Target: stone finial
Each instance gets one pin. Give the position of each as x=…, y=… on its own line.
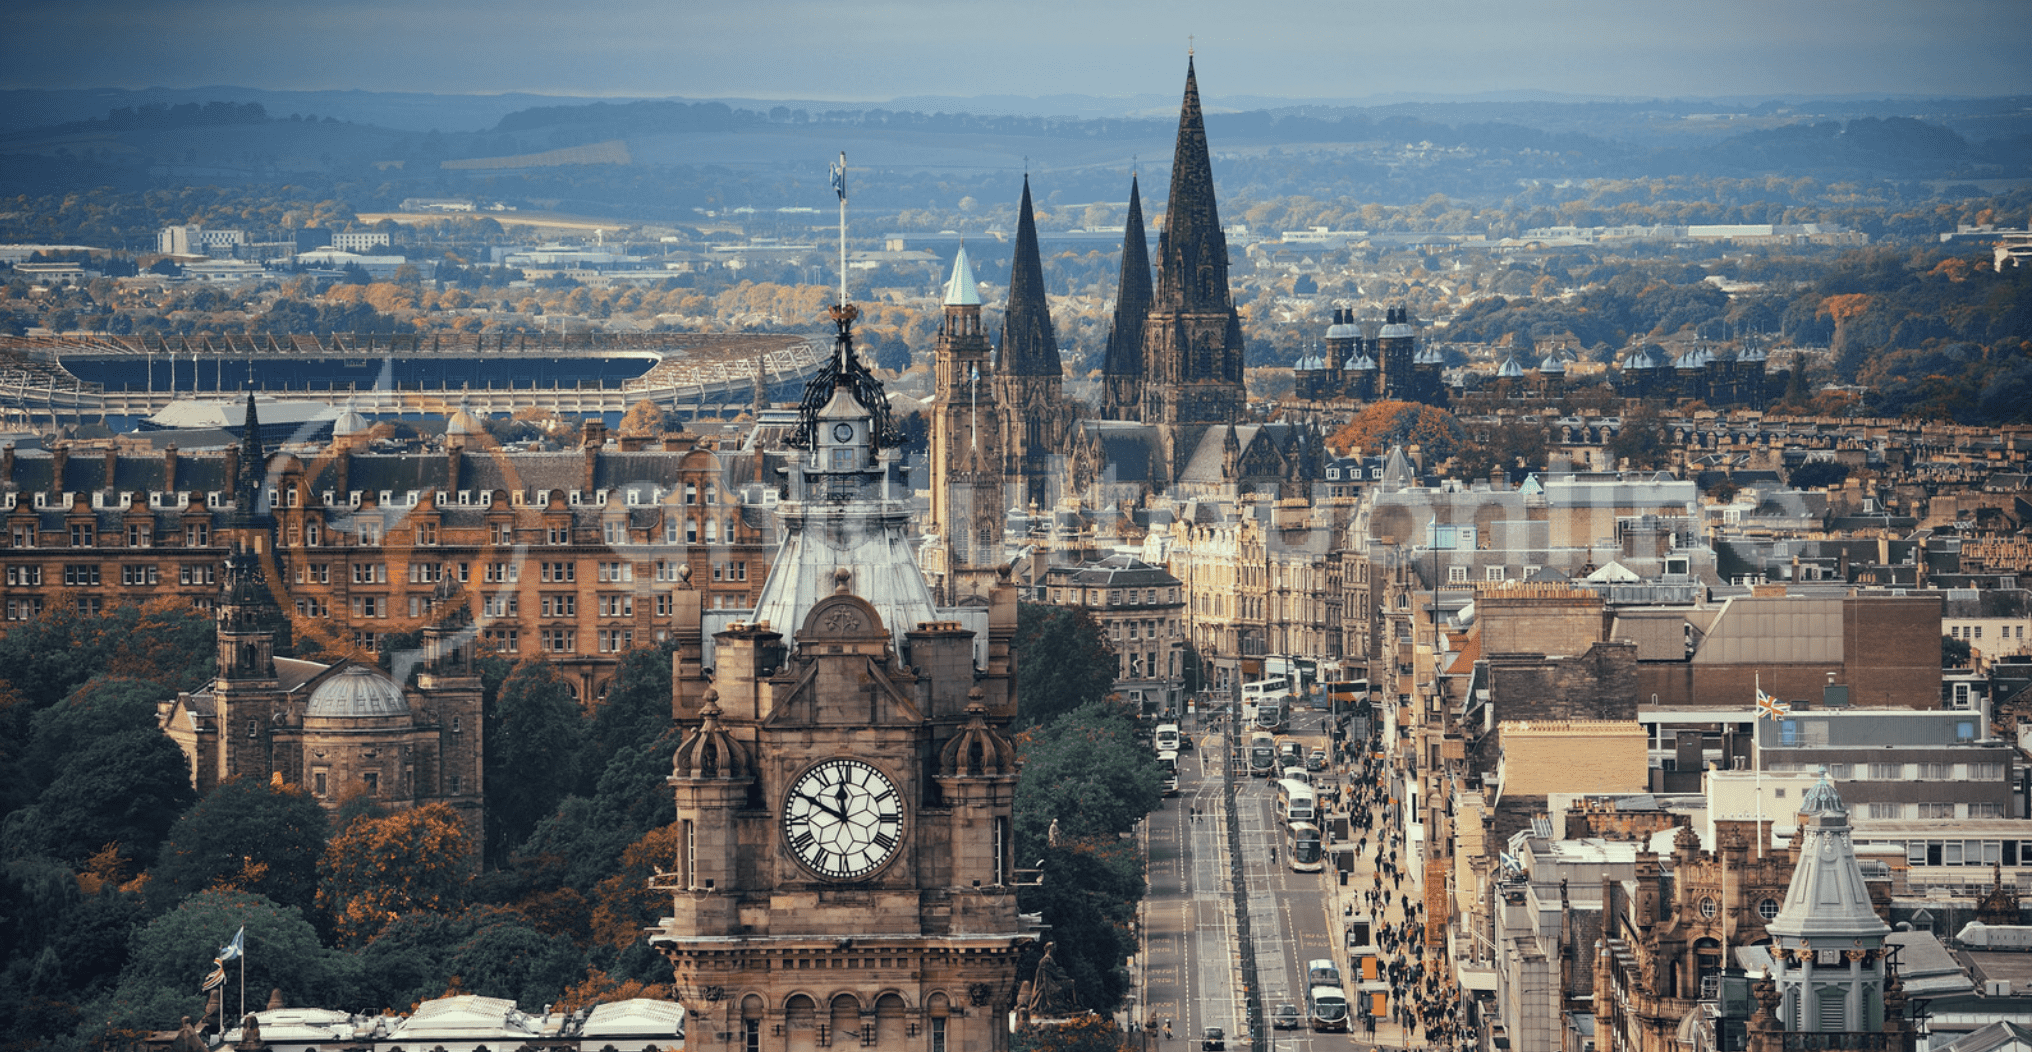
x=841, y=577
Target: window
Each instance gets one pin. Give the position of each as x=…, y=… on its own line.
x=426, y=533
x=1494, y=573
x=1886, y=811
x=559, y=572
x=1986, y=810
x=19, y=575
x=502, y=640
x=1841, y=771
x=617, y=571
x=313, y=608
x=83, y=535
x=89, y=605
x=23, y=609
x=691, y=531
x=505, y=605
x=500, y=533
x=370, y=533
x=133, y=575
x=139, y=536
x=1767, y=909
x=1934, y=772
x=501, y=573
x=76, y=575
x=370, y=606
x=202, y=573
x=367, y=641
x=1985, y=772
x=560, y=606
x=558, y=640
x=1887, y=772
x=310, y=534
x=615, y=640
x=691, y=493
x=319, y=783
x=314, y=573
x=740, y=571
x=1456, y=574
x=663, y=606
x=938, y=1035
x=197, y=535
x=370, y=573
x=372, y=780
x=1936, y=810
x=617, y=606
x=559, y=534
x=423, y=573
x=614, y=532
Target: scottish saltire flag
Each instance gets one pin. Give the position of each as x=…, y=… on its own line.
x=840, y=178
x=235, y=948
x=217, y=978
x=973, y=374
x=1769, y=707
x=1510, y=861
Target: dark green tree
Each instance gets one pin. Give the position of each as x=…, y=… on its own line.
x=1954, y=653
x=103, y=706
x=1062, y=661
x=533, y=734
x=1643, y=440
x=171, y=956
x=125, y=789
x=1085, y=771
x=1819, y=474
x=248, y=835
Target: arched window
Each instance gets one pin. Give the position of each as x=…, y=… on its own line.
x=846, y=1021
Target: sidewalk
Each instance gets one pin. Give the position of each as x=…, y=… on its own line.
x=1350, y=900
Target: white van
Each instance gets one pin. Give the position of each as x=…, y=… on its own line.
x=1166, y=737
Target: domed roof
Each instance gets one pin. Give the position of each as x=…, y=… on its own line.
x=357, y=691
x=350, y=422
x=1693, y=359
x=1509, y=369
x=1427, y=356
x=1310, y=363
x=1640, y=359
x=1362, y=364
x=1551, y=364
x=463, y=422
x=1342, y=331
x=1396, y=331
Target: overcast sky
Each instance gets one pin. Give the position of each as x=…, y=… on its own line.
x=874, y=50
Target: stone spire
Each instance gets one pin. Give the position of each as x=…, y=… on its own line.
x=1029, y=348
x=1192, y=340
x=961, y=290
x=1827, y=898
x=1122, y=370
x=1192, y=253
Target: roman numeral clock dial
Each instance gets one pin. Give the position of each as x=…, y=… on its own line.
x=842, y=819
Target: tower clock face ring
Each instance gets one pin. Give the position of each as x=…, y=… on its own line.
x=843, y=432
x=843, y=819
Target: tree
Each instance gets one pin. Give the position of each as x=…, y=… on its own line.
x=483, y=950
x=376, y=869
x=533, y=731
x=103, y=706
x=1819, y=474
x=643, y=418
x=1088, y=898
x=125, y=789
x=625, y=904
x=1086, y=772
x=249, y=835
x=1381, y=425
x=1062, y=660
x=1642, y=440
x=175, y=951
x=1088, y=1033
x=1954, y=653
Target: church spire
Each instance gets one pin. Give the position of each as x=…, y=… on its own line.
x=1029, y=348
x=1192, y=253
x=1122, y=370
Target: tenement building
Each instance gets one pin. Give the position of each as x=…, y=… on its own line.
x=568, y=554
x=845, y=783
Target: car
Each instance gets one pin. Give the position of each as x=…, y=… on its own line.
x=1213, y=1039
x=1185, y=743
x=1286, y=1017
x=1316, y=760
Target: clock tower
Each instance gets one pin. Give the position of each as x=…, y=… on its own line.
x=844, y=788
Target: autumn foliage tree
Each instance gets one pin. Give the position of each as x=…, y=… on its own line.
x=377, y=869
x=1381, y=425
x=248, y=834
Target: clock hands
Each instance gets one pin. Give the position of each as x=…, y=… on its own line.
x=816, y=802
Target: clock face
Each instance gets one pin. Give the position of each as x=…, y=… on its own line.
x=843, y=432
x=843, y=819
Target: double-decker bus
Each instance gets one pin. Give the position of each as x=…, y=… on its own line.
x=1273, y=712
x=1167, y=762
x=1295, y=802
x=1262, y=754
x=1302, y=848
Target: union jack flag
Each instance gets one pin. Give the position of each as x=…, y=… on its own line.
x=1769, y=707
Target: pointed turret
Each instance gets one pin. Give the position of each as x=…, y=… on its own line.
x=1828, y=960
x=1122, y=370
x=1029, y=348
x=961, y=290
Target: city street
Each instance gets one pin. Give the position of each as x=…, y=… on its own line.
x=1192, y=971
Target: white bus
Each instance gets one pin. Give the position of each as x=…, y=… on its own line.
x=1167, y=762
x=1295, y=802
x=1301, y=847
x=1262, y=754
x=1166, y=737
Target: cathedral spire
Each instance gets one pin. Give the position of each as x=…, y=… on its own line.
x=1029, y=348
x=1192, y=263
x=1122, y=370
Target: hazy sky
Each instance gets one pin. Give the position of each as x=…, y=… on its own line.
x=879, y=49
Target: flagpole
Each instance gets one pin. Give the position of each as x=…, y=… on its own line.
x=243, y=991
x=842, y=186
x=1757, y=754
